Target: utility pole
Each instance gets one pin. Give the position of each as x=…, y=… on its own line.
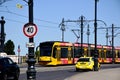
x=113, y=35
x=63, y=29
x=81, y=26
x=113, y=43
x=107, y=36
x=81, y=20
x=88, y=34
x=2, y=34
x=82, y=35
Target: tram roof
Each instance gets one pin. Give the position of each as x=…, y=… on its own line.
x=65, y=43
x=52, y=42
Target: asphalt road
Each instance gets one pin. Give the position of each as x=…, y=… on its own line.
x=51, y=75
x=58, y=73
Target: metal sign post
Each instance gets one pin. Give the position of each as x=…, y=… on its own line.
x=18, y=54
x=30, y=29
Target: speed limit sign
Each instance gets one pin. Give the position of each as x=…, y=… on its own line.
x=30, y=30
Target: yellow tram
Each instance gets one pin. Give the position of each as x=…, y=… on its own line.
x=62, y=53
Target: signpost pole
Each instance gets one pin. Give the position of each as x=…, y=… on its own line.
x=31, y=72
x=18, y=54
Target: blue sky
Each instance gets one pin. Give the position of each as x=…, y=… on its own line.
x=48, y=15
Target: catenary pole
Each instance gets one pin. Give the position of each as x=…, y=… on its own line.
x=113, y=43
x=82, y=36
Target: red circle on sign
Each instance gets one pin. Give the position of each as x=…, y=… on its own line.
x=30, y=30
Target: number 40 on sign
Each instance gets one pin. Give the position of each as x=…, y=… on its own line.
x=30, y=30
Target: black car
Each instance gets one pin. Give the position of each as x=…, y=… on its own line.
x=8, y=69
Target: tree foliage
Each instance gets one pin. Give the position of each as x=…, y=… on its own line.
x=9, y=47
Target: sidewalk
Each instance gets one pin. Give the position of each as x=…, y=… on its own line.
x=103, y=74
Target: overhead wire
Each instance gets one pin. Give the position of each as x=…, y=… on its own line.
x=34, y=18
x=10, y=12
x=26, y=17
x=24, y=23
x=37, y=19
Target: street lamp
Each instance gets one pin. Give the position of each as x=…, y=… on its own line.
x=2, y=35
x=95, y=27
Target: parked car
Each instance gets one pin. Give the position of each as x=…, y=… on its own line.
x=85, y=63
x=8, y=69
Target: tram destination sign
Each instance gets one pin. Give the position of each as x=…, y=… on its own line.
x=30, y=30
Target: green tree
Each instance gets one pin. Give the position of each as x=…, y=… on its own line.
x=9, y=47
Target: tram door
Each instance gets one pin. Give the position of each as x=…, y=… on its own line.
x=117, y=56
x=100, y=55
x=85, y=52
x=64, y=55
x=70, y=55
x=104, y=55
x=58, y=54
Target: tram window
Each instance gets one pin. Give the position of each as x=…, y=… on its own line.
x=83, y=52
x=109, y=54
x=118, y=54
x=45, y=51
x=92, y=52
x=77, y=52
x=102, y=54
x=64, y=52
